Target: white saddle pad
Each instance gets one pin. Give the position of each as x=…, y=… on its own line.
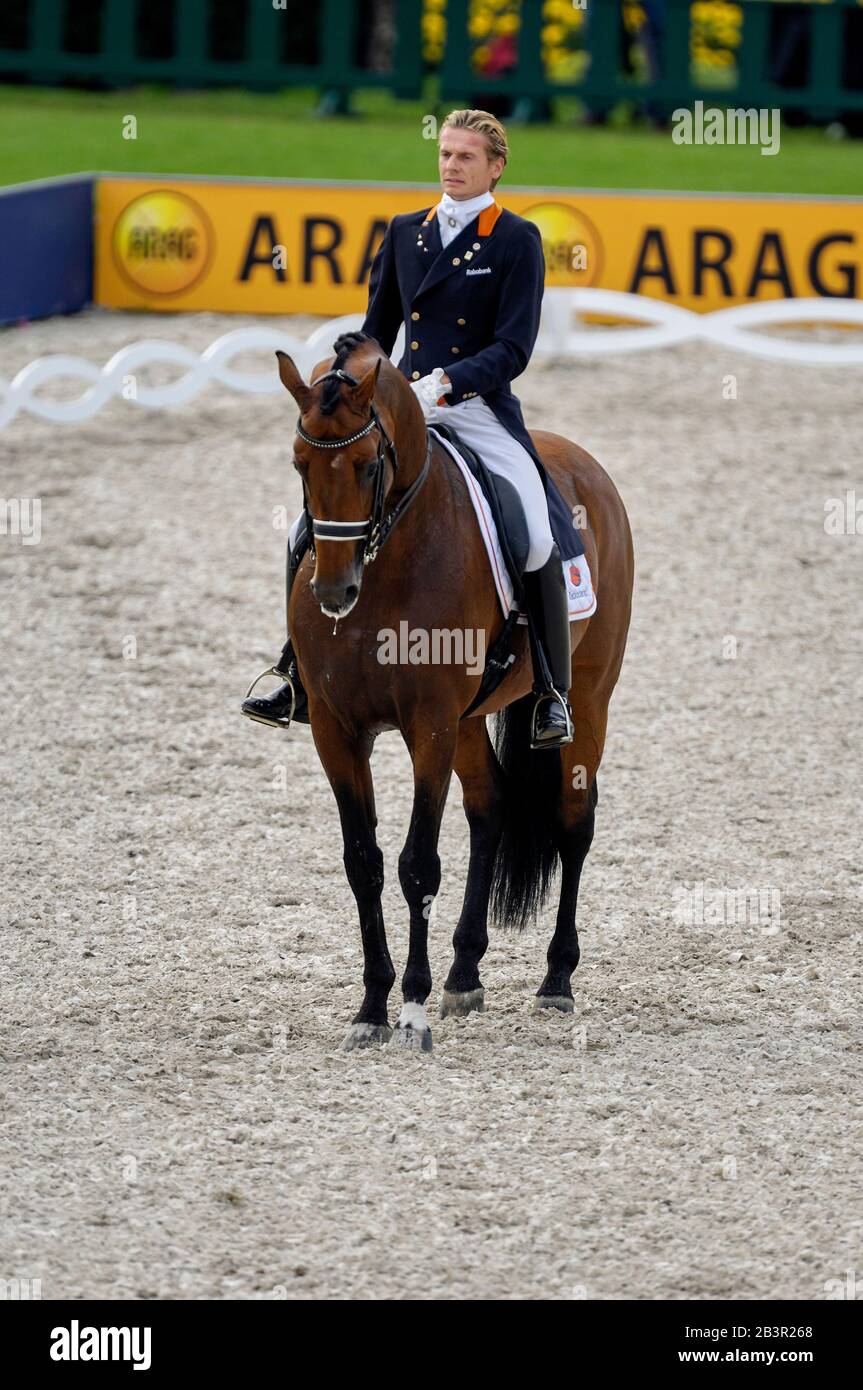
x=576, y=572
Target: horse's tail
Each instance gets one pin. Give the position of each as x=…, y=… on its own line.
x=527, y=853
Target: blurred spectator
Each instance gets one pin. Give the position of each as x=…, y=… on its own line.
x=376, y=35
x=650, y=37
x=789, y=54
x=852, y=68
x=501, y=60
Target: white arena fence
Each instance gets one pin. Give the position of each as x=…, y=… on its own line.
x=561, y=335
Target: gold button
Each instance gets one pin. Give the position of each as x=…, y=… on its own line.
x=415, y=375
x=415, y=316
x=462, y=322
x=454, y=349
x=414, y=346
x=456, y=260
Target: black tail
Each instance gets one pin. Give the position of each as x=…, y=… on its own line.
x=527, y=854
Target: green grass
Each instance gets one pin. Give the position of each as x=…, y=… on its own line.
x=48, y=131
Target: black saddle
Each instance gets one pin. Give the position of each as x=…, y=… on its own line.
x=509, y=518
x=505, y=504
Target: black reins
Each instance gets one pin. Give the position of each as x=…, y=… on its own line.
x=376, y=530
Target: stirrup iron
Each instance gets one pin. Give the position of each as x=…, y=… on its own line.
x=551, y=694
x=286, y=680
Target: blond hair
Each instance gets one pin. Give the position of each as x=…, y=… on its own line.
x=486, y=125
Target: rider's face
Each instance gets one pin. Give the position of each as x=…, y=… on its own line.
x=465, y=168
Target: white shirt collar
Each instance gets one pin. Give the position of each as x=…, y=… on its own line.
x=450, y=210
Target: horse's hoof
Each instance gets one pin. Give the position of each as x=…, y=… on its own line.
x=470, y=1001
x=367, y=1035
x=562, y=1002
x=417, y=1039
x=412, y=1030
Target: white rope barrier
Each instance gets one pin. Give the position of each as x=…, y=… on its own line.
x=728, y=328
x=562, y=334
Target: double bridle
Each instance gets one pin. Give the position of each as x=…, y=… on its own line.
x=376, y=530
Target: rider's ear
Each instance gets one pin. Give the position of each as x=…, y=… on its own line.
x=362, y=393
x=293, y=382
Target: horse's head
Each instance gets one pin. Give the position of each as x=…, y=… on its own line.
x=343, y=453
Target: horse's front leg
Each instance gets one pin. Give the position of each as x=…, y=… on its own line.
x=346, y=763
x=479, y=772
x=432, y=748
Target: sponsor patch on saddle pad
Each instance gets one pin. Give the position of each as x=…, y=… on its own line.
x=576, y=572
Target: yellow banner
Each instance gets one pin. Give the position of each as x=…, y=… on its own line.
x=285, y=248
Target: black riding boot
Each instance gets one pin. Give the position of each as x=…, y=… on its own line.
x=548, y=624
x=289, y=701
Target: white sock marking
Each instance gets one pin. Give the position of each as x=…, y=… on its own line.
x=413, y=1016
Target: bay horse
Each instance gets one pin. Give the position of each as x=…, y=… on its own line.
x=528, y=811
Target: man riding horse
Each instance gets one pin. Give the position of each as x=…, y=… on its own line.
x=467, y=336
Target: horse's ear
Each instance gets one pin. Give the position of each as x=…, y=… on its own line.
x=362, y=393
x=293, y=382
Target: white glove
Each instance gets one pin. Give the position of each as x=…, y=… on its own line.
x=429, y=389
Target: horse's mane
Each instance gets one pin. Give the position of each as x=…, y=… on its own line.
x=392, y=390
x=357, y=361
x=332, y=388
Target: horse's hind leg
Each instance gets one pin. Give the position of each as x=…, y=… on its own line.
x=574, y=836
x=573, y=843
x=346, y=763
x=481, y=779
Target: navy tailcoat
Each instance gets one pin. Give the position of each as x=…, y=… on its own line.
x=472, y=307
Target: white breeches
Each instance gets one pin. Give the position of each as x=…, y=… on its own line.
x=478, y=425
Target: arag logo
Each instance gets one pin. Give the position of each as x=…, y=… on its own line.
x=162, y=242
x=570, y=242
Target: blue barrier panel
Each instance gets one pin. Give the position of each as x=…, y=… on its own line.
x=46, y=248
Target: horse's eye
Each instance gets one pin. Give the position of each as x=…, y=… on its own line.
x=371, y=470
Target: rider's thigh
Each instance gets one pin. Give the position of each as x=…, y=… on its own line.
x=479, y=427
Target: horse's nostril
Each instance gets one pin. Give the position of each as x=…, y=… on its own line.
x=351, y=593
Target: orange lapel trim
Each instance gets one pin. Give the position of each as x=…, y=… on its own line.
x=488, y=219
